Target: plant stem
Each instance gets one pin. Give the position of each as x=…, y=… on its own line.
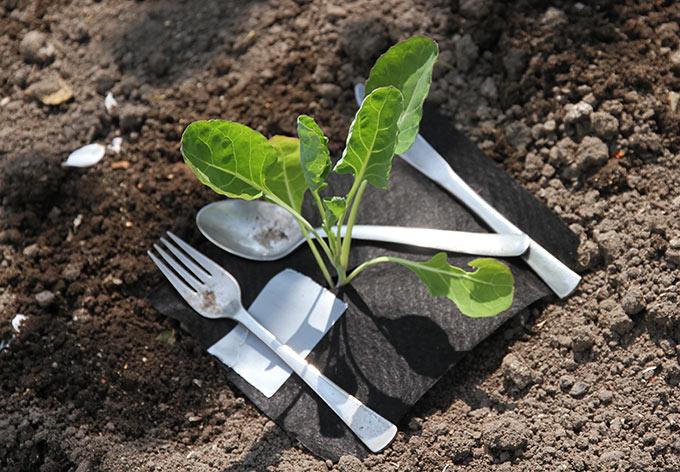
x=347, y=240
x=317, y=256
x=349, y=199
x=377, y=260
x=322, y=212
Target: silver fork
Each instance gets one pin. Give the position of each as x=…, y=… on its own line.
x=214, y=293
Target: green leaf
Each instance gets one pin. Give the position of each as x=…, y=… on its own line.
x=373, y=137
x=167, y=337
x=314, y=155
x=407, y=66
x=285, y=179
x=335, y=207
x=484, y=292
x=230, y=158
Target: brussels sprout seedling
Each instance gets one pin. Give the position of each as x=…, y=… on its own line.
x=236, y=161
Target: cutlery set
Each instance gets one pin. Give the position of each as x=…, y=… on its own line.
x=238, y=227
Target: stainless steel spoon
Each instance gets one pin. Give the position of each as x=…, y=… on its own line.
x=262, y=231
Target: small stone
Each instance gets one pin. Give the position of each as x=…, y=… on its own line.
x=518, y=135
x=675, y=60
x=366, y=39
x=466, y=53
x=605, y=396
x=579, y=389
x=547, y=171
x=45, y=298
x=36, y=48
x=592, y=152
x=589, y=254
x=51, y=90
x=673, y=255
x=78, y=33
x=604, y=125
x=619, y=321
x=562, y=152
x=672, y=372
x=533, y=165
x=349, y=463
x=633, y=300
x=334, y=12
x=515, y=370
x=567, y=381
x=582, y=339
x=104, y=82
x=667, y=347
x=611, y=459
x=329, y=91
x=81, y=314
x=72, y=271
x=611, y=244
x=504, y=434
x=549, y=126
x=673, y=100
x=131, y=116
x=514, y=62
x=31, y=251
x=589, y=98
x=553, y=17
x=577, y=112
x=649, y=438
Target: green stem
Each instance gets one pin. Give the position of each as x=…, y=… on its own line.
x=317, y=256
x=349, y=199
x=361, y=267
x=324, y=225
x=347, y=240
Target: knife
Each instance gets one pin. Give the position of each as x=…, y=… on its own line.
x=556, y=275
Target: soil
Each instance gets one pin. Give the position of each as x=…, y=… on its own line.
x=578, y=102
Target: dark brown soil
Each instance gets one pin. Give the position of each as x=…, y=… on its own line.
x=578, y=101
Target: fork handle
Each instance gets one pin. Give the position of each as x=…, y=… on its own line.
x=374, y=431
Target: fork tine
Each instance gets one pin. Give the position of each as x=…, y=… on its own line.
x=208, y=264
x=198, y=272
x=184, y=290
x=188, y=277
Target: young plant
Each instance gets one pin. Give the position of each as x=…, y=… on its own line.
x=238, y=162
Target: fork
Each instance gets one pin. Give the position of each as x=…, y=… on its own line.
x=214, y=293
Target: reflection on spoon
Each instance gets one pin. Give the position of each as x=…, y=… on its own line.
x=262, y=231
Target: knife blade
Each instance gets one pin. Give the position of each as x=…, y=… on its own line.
x=422, y=156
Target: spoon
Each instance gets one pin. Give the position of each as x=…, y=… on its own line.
x=262, y=231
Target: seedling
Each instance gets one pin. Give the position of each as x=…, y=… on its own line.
x=236, y=161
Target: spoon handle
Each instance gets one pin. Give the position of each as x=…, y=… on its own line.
x=374, y=431
x=481, y=244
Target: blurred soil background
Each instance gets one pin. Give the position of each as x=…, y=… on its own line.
x=578, y=101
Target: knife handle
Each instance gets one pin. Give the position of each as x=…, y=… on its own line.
x=560, y=278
